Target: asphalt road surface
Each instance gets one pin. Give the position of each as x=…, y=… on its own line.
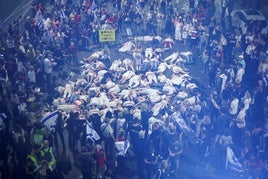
x=12, y=9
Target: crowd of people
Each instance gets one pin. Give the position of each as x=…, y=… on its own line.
x=142, y=93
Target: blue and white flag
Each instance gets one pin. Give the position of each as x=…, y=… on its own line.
x=122, y=147
x=39, y=20
x=50, y=120
x=180, y=121
x=62, y=14
x=91, y=133
x=93, y=5
x=232, y=162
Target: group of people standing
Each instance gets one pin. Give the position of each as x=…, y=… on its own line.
x=161, y=110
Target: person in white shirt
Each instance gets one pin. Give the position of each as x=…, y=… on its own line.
x=239, y=74
x=126, y=76
x=247, y=100
x=234, y=105
x=149, y=52
x=31, y=75
x=68, y=90
x=48, y=68
x=134, y=81
x=151, y=77
x=241, y=118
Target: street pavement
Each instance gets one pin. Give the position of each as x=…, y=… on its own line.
x=10, y=10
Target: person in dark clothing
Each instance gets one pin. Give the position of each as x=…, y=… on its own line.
x=162, y=172
x=150, y=161
x=169, y=26
x=5, y=119
x=20, y=149
x=96, y=123
x=59, y=130
x=151, y=26
x=4, y=156
x=259, y=100
x=221, y=123
x=175, y=149
x=155, y=137
x=112, y=166
x=163, y=5
x=214, y=104
x=127, y=126
x=213, y=66
x=134, y=129
x=71, y=129
x=170, y=135
x=31, y=164
x=140, y=148
x=59, y=57
x=145, y=115
x=88, y=163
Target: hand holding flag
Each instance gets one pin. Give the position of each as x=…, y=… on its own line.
x=50, y=120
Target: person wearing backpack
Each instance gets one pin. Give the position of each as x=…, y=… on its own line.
x=108, y=133
x=47, y=153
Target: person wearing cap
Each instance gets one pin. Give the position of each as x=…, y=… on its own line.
x=242, y=61
x=108, y=133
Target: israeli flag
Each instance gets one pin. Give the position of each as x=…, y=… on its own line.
x=91, y=133
x=50, y=120
x=122, y=147
x=39, y=19
x=232, y=162
x=93, y=5
x=184, y=127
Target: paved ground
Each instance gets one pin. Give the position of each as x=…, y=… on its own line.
x=11, y=9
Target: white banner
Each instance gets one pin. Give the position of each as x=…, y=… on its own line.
x=122, y=147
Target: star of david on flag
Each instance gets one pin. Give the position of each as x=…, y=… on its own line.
x=91, y=133
x=50, y=120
